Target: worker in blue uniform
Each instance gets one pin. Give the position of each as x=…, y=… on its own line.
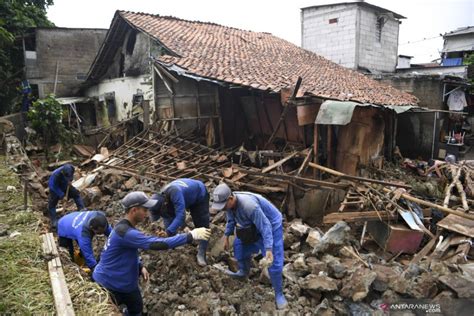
x=172, y=202
x=82, y=227
x=60, y=185
x=120, y=266
x=258, y=228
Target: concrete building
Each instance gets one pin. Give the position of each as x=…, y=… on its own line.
x=356, y=35
x=58, y=59
x=458, y=44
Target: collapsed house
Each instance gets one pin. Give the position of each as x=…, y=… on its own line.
x=235, y=87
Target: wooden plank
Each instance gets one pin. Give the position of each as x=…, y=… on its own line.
x=352, y=217
x=426, y=249
x=344, y=176
x=62, y=299
x=458, y=224
x=279, y=163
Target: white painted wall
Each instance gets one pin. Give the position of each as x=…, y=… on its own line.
x=336, y=41
x=403, y=62
x=124, y=89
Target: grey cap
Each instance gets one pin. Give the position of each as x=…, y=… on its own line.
x=220, y=196
x=137, y=198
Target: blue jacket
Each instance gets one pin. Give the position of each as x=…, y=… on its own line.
x=254, y=209
x=60, y=178
x=76, y=226
x=182, y=194
x=119, y=265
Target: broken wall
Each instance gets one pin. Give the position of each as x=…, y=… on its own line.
x=116, y=97
x=415, y=134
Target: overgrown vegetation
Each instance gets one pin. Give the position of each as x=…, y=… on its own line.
x=24, y=281
x=45, y=117
x=25, y=287
x=16, y=19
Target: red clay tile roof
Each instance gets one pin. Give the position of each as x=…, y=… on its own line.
x=259, y=60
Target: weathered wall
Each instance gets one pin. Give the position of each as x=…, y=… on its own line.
x=131, y=58
x=352, y=40
x=194, y=100
x=335, y=41
x=374, y=54
x=415, y=134
x=429, y=90
x=121, y=90
x=70, y=50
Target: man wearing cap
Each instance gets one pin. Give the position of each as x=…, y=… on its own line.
x=59, y=186
x=172, y=202
x=82, y=227
x=120, y=266
x=258, y=227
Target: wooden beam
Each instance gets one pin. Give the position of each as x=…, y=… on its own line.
x=279, y=163
x=344, y=176
x=62, y=299
x=352, y=217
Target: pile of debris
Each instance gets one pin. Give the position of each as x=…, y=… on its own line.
x=398, y=245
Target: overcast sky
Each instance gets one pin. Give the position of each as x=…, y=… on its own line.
x=425, y=19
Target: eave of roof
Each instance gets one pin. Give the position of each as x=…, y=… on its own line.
x=364, y=4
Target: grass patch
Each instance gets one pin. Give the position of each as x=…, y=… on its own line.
x=25, y=287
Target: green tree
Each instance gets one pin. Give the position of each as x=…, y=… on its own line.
x=16, y=18
x=45, y=117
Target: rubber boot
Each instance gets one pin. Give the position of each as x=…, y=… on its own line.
x=277, y=283
x=201, y=255
x=244, y=269
x=53, y=218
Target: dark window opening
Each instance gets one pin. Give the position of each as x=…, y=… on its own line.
x=379, y=26
x=30, y=42
x=121, y=65
x=332, y=21
x=132, y=38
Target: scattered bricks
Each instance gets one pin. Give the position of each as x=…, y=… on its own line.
x=316, y=266
x=324, y=309
x=357, y=285
x=299, y=264
x=384, y=275
x=298, y=228
x=92, y=196
x=461, y=284
x=130, y=183
x=334, y=239
x=423, y=287
x=319, y=283
x=313, y=238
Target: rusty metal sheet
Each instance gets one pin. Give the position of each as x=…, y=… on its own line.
x=458, y=224
x=306, y=114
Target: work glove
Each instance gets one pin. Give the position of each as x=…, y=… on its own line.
x=267, y=260
x=201, y=233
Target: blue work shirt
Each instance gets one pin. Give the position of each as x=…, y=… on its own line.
x=76, y=226
x=119, y=265
x=182, y=194
x=254, y=209
x=60, y=178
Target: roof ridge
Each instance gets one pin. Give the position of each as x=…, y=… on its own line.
x=170, y=17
